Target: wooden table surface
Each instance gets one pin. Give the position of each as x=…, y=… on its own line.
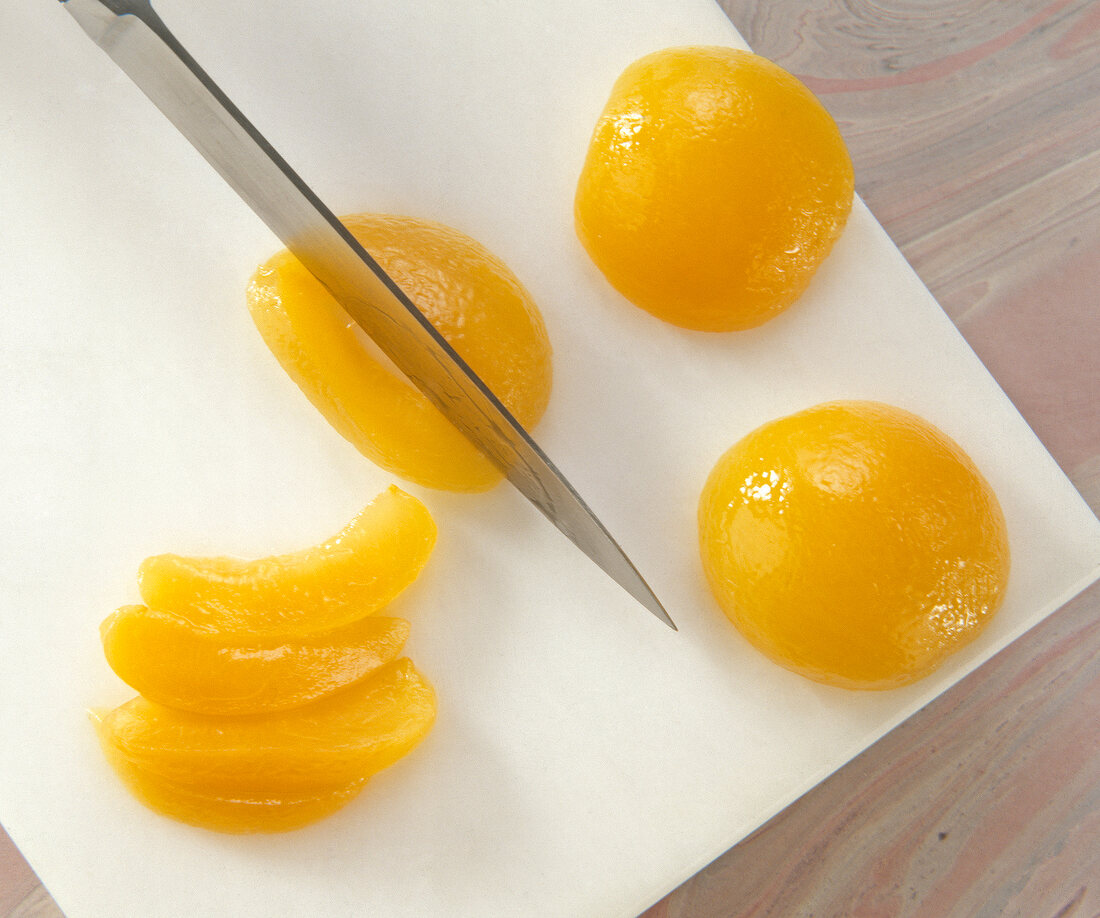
x=975, y=130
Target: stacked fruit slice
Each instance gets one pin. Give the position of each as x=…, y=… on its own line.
x=269, y=690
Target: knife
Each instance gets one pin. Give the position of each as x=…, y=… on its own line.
x=135, y=37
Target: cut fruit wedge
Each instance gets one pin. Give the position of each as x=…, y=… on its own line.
x=353, y=574
x=321, y=747
x=232, y=813
x=172, y=662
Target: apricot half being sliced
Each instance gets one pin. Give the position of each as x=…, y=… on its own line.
x=356, y=572
x=471, y=297
x=171, y=662
x=324, y=746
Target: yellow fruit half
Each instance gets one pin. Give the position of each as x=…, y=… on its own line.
x=853, y=543
x=471, y=297
x=714, y=186
x=317, y=749
x=353, y=574
x=171, y=662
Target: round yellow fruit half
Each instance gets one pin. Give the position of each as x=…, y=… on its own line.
x=853, y=543
x=714, y=186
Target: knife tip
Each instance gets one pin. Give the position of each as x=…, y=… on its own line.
x=653, y=604
x=667, y=619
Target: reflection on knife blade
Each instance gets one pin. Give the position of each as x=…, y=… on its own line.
x=138, y=41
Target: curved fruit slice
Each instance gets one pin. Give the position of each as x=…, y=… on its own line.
x=175, y=664
x=231, y=813
x=471, y=297
x=347, y=736
x=356, y=572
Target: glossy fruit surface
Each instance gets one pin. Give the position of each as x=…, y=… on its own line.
x=320, y=748
x=714, y=186
x=171, y=662
x=853, y=543
x=470, y=296
x=269, y=691
x=233, y=813
x=356, y=572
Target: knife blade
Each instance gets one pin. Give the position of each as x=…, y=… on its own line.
x=136, y=39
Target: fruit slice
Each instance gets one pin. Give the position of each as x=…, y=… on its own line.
x=324, y=746
x=356, y=572
x=854, y=543
x=471, y=297
x=713, y=187
x=231, y=813
x=175, y=664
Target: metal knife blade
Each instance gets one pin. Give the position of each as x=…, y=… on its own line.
x=135, y=37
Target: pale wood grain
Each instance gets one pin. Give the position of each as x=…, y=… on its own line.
x=16, y=878
x=975, y=129
x=21, y=894
x=37, y=904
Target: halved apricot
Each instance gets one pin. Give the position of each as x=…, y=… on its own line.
x=854, y=543
x=174, y=663
x=356, y=572
x=324, y=746
x=714, y=186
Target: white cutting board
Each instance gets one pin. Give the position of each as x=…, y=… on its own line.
x=586, y=759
